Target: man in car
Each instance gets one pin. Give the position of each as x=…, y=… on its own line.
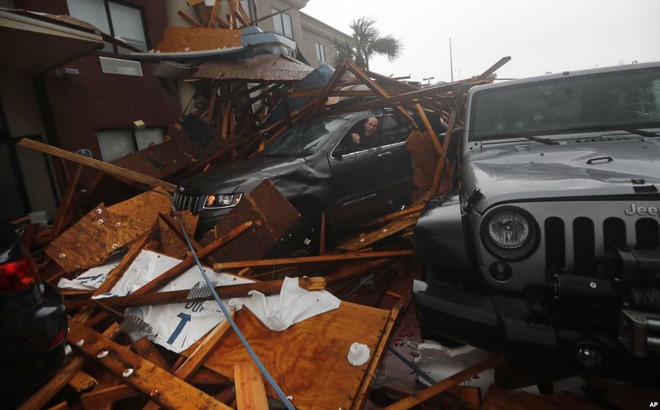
x=368, y=137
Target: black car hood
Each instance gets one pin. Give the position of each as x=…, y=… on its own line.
x=243, y=176
x=573, y=168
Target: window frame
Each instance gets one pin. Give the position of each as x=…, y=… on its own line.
x=104, y=5
x=320, y=52
x=134, y=139
x=280, y=17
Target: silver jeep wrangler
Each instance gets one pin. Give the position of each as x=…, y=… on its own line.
x=550, y=249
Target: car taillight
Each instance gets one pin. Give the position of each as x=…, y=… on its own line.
x=57, y=339
x=16, y=276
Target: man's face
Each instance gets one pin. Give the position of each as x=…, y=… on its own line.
x=370, y=127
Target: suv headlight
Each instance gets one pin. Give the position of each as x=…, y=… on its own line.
x=222, y=200
x=510, y=233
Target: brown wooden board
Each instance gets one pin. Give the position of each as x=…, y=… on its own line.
x=92, y=239
x=171, y=243
x=143, y=209
x=184, y=39
x=266, y=204
x=309, y=360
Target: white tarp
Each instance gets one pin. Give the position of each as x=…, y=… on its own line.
x=292, y=305
x=177, y=326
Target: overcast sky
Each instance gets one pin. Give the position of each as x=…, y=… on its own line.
x=540, y=37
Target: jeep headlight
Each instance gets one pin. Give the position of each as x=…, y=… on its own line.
x=510, y=233
x=218, y=201
x=508, y=229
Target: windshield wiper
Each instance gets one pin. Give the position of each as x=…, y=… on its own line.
x=629, y=130
x=636, y=131
x=532, y=138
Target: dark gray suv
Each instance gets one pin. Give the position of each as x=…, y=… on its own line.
x=316, y=167
x=550, y=249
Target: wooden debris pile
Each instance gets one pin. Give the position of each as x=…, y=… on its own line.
x=112, y=366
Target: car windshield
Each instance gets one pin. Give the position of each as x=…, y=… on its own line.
x=627, y=99
x=304, y=139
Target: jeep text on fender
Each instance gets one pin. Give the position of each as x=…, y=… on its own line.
x=550, y=250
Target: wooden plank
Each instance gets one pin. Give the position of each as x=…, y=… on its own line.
x=214, y=13
x=378, y=90
x=250, y=390
x=187, y=263
x=118, y=271
x=448, y=383
x=365, y=386
x=65, y=206
x=82, y=382
x=188, y=19
x=96, y=164
x=54, y=385
x=101, y=397
x=364, y=240
x=176, y=296
x=162, y=387
x=218, y=267
x=443, y=156
x=64, y=374
x=202, y=351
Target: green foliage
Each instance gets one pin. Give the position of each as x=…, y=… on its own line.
x=366, y=42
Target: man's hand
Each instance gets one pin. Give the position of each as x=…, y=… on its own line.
x=356, y=138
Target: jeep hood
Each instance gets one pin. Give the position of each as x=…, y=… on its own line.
x=574, y=168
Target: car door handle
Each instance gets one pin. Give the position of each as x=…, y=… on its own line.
x=384, y=154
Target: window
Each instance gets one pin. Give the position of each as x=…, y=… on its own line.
x=282, y=23
x=320, y=52
x=117, y=143
x=116, y=19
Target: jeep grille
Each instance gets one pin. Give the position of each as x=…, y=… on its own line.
x=186, y=202
x=589, y=239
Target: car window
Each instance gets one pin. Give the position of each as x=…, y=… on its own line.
x=304, y=139
x=394, y=129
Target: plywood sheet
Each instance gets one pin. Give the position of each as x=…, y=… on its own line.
x=309, y=360
x=274, y=215
x=143, y=209
x=183, y=39
x=92, y=239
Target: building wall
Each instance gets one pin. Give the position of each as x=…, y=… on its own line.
x=315, y=31
x=82, y=104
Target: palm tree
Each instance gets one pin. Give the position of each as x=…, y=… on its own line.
x=367, y=41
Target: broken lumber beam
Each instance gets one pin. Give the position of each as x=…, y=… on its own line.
x=96, y=164
x=225, y=292
x=196, y=359
x=64, y=374
x=448, y=383
x=189, y=262
x=364, y=240
x=365, y=386
x=250, y=389
x=310, y=259
x=160, y=386
x=101, y=397
x=82, y=382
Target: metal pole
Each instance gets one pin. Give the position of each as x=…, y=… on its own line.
x=451, y=62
